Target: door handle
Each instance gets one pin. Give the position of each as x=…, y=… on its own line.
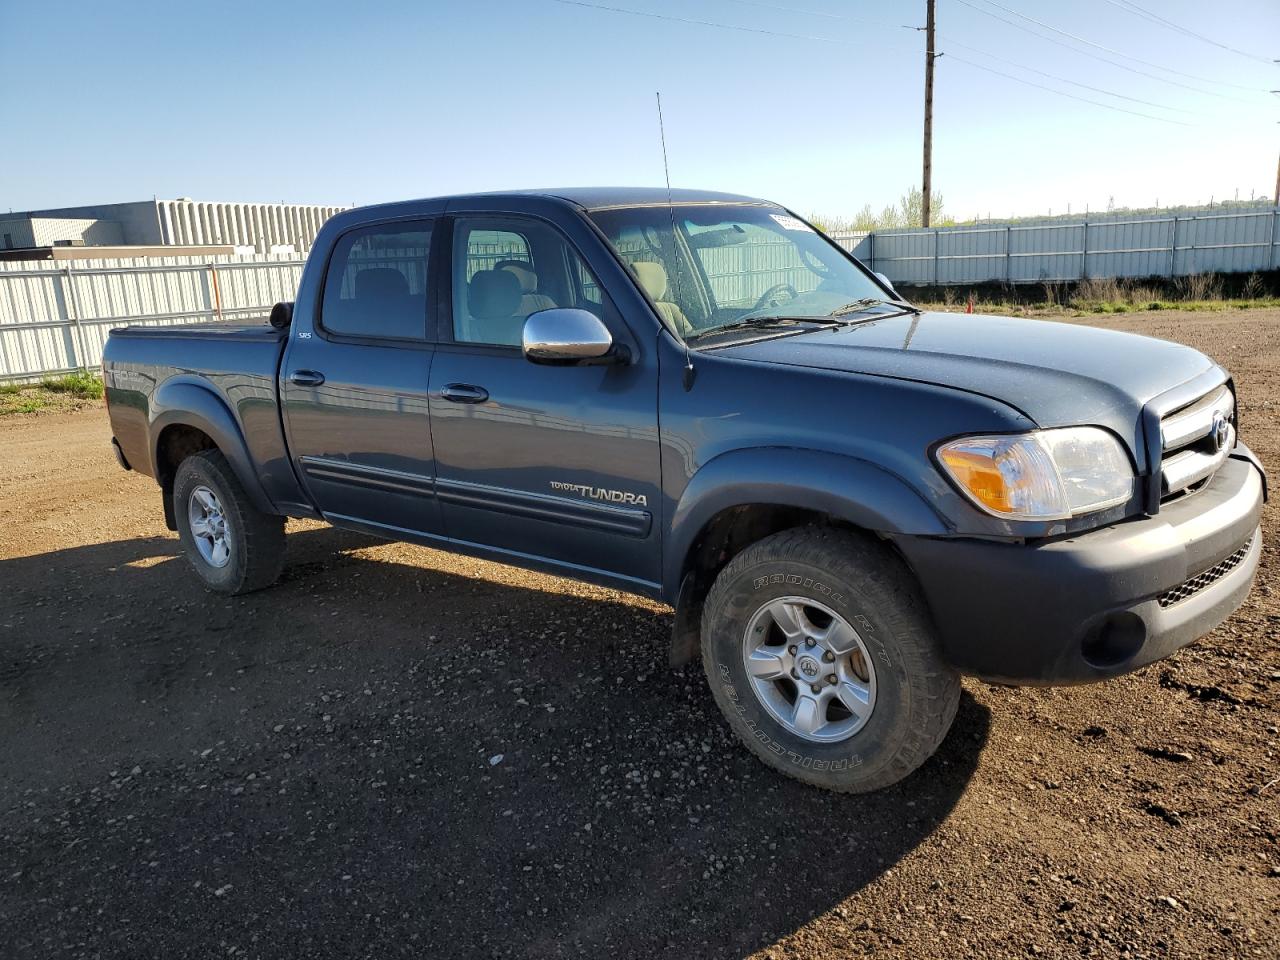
x=464, y=393
x=306, y=378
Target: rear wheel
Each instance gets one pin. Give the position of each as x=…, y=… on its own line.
x=231, y=544
x=820, y=653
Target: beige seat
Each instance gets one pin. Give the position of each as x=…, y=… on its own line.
x=531, y=301
x=653, y=281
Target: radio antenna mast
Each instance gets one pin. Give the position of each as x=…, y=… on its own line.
x=689, y=372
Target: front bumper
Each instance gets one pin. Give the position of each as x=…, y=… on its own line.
x=1102, y=603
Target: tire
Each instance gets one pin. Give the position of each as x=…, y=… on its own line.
x=251, y=551
x=825, y=584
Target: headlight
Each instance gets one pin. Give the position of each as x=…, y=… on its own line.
x=1044, y=475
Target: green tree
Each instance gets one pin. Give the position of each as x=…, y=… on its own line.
x=913, y=209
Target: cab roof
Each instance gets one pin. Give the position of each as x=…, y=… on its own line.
x=595, y=198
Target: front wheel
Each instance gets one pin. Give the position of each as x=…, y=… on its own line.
x=233, y=546
x=820, y=653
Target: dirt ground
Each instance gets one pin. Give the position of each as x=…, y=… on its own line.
x=397, y=752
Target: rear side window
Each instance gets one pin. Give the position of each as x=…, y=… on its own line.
x=377, y=283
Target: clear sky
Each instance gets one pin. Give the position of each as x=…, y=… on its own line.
x=320, y=102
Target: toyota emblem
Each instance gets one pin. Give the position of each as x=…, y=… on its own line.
x=1221, y=432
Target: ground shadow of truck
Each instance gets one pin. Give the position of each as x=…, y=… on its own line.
x=380, y=756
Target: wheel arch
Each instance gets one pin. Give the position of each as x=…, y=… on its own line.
x=741, y=497
x=189, y=415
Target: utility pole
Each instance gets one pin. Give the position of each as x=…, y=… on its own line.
x=1277, y=200
x=927, y=188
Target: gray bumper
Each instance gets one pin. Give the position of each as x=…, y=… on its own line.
x=1099, y=604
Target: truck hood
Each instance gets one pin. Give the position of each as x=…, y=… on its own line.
x=1057, y=374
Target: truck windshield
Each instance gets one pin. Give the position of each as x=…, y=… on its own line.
x=728, y=263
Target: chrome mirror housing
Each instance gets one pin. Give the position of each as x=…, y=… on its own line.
x=564, y=335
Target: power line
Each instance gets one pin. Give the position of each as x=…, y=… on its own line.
x=807, y=13
x=702, y=23
x=1146, y=14
x=992, y=56
x=1099, y=46
x=1063, y=93
x=838, y=42
x=951, y=42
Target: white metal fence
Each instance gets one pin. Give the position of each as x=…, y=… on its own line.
x=1165, y=245
x=55, y=315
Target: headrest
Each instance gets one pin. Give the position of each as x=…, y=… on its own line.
x=652, y=277
x=523, y=272
x=493, y=294
x=381, y=283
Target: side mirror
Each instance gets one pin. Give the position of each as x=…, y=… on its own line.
x=887, y=282
x=282, y=315
x=567, y=336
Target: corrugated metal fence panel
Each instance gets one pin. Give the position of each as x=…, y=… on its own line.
x=1163, y=245
x=859, y=244
x=1227, y=245
x=963, y=255
x=55, y=316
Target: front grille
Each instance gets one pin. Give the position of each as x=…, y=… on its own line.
x=1211, y=576
x=1195, y=440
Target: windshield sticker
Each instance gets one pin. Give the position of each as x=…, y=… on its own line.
x=791, y=223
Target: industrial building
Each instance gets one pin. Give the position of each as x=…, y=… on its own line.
x=247, y=227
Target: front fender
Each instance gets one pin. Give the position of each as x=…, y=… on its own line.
x=193, y=403
x=854, y=490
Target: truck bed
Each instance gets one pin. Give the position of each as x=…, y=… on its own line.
x=224, y=330
x=225, y=372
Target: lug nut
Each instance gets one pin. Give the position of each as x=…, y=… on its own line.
x=809, y=642
x=828, y=657
x=792, y=649
x=815, y=688
x=832, y=679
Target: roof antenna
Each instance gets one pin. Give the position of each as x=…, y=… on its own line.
x=689, y=373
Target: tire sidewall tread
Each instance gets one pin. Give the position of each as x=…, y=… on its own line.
x=916, y=693
x=257, y=538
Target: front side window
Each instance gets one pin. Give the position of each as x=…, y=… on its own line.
x=505, y=269
x=728, y=262
x=377, y=283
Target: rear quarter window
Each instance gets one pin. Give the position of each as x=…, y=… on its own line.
x=376, y=285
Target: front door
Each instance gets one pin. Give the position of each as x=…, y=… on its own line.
x=559, y=463
x=355, y=378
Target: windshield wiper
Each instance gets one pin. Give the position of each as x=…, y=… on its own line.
x=749, y=323
x=857, y=306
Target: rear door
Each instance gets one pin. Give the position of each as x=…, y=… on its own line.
x=553, y=462
x=355, y=379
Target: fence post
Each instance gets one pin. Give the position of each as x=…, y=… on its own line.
x=71, y=306
x=1084, y=253
x=1008, y=255
x=1173, y=248
x=872, y=237
x=207, y=283
x=217, y=293
x=936, y=239
x=1271, y=247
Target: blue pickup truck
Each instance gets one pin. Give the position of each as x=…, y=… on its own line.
x=697, y=397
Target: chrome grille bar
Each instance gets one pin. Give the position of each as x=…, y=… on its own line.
x=1191, y=423
x=1196, y=440
x=1189, y=467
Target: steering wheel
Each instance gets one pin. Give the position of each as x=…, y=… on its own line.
x=768, y=298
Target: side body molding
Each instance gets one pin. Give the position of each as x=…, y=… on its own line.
x=191, y=403
x=854, y=490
